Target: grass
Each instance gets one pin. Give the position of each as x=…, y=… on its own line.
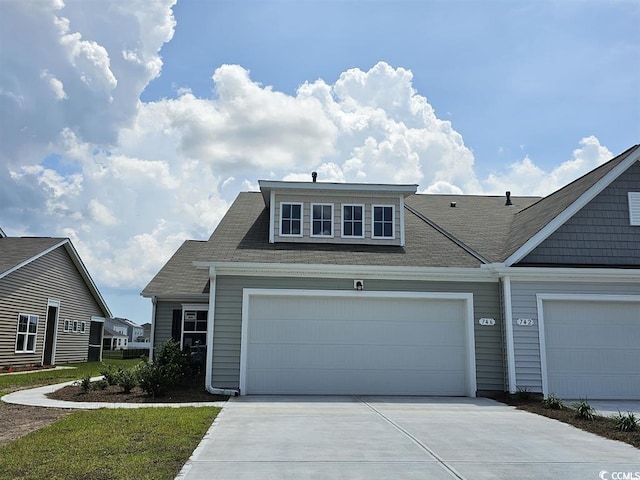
x=11, y=383
x=147, y=443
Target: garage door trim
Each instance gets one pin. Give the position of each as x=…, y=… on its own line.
x=470, y=364
x=541, y=297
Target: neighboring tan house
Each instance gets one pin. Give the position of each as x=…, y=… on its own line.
x=51, y=311
x=326, y=288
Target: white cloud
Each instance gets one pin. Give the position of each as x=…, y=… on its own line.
x=56, y=85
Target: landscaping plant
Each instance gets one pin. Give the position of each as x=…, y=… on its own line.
x=584, y=410
x=552, y=402
x=626, y=422
x=127, y=378
x=84, y=383
x=110, y=374
x=165, y=371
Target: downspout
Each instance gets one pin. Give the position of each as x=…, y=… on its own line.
x=154, y=301
x=508, y=324
x=208, y=384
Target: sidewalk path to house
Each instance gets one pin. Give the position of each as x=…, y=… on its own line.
x=400, y=438
x=37, y=397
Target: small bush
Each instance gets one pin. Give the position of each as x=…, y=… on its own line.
x=584, y=410
x=127, y=379
x=626, y=422
x=166, y=371
x=110, y=374
x=84, y=383
x=523, y=394
x=552, y=402
x=99, y=385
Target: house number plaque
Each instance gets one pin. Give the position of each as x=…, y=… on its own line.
x=487, y=322
x=525, y=322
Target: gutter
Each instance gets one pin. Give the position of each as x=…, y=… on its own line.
x=222, y=391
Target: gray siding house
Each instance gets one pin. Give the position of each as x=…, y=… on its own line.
x=323, y=288
x=50, y=310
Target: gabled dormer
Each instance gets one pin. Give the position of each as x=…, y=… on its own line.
x=344, y=213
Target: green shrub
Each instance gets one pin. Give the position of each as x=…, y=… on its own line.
x=127, y=378
x=84, y=383
x=167, y=370
x=584, y=410
x=552, y=402
x=627, y=422
x=99, y=385
x=110, y=374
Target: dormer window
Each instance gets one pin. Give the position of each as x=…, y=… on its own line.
x=353, y=221
x=383, y=221
x=291, y=219
x=321, y=220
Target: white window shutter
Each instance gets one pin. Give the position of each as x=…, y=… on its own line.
x=634, y=208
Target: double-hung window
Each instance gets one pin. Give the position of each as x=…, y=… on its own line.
x=195, y=328
x=353, y=221
x=26, y=336
x=383, y=221
x=321, y=220
x=291, y=219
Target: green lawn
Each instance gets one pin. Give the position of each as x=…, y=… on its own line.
x=146, y=443
x=11, y=383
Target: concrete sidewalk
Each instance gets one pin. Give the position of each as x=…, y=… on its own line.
x=399, y=438
x=36, y=397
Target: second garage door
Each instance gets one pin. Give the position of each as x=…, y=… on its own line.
x=369, y=343
x=592, y=348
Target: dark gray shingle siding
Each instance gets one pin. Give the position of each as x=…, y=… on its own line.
x=598, y=234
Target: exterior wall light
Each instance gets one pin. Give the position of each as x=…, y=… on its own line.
x=358, y=285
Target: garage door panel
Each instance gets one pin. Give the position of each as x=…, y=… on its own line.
x=592, y=348
x=356, y=345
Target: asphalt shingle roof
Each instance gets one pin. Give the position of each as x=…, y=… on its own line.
x=16, y=250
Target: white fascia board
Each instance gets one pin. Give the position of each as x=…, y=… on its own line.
x=349, y=271
x=178, y=297
x=406, y=189
x=571, y=210
x=272, y=216
x=566, y=274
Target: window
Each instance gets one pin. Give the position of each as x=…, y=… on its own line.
x=634, y=208
x=75, y=325
x=291, y=219
x=383, y=224
x=353, y=221
x=195, y=328
x=321, y=220
x=67, y=325
x=26, y=336
x=83, y=327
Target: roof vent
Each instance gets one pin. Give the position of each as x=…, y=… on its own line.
x=508, y=202
x=314, y=176
x=452, y=204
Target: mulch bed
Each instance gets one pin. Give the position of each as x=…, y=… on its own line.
x=602, y=426
x=114, y=394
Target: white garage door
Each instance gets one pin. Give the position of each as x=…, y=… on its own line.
x=592, y=348
x=356, y=343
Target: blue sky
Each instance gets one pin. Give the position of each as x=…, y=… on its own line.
x=132, y=127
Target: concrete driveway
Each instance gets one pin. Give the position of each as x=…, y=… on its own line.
x=398, y=438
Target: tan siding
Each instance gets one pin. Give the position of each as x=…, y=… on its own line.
x=228, y=319
x=55, y=277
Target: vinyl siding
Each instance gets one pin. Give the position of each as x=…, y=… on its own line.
x=526, y=339
x=53, y=276
x=357, y=198
x=164, y=318
x=228, y=319
x=600, y=233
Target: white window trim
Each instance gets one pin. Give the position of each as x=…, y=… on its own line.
x=393, y=222
x=199, y=307
x=634, y=208
x=342, y=219
x=311, y=219
x=27, y=334
x=67, y=325
x=280, y=234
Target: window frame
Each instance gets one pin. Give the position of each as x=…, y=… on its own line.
x=360, y=205
x=312, y=219
x=66, y=325
x=373, y=222
x=282, y=205
x=194, y=308
x=83, y=327
x=27, y=333
x=75, y=326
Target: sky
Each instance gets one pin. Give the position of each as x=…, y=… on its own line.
x=130, y=127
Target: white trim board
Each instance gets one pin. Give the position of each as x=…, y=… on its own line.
x=248, y=293
x=541, y=297
x=571, y=210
